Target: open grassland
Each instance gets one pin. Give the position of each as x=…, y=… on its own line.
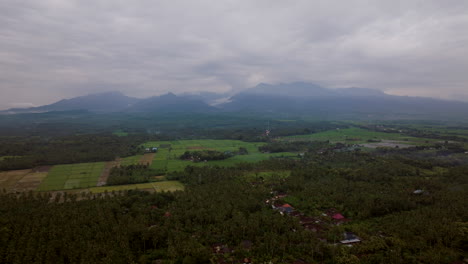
x=164, y=186
x=167, y=157
x=356, y=135
x=72, y=176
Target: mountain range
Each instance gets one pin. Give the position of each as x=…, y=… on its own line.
x=299, y=98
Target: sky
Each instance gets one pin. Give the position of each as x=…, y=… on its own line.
x=54, y=49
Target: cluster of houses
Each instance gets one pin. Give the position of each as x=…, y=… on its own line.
x=316, y=224
x=151, y=150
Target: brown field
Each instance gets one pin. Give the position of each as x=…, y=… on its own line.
x=105, y=173
x=147, y=159
x=23, y=180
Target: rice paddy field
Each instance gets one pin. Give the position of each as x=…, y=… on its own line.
x=167, y=157
x=72, y=176
x=356, y=135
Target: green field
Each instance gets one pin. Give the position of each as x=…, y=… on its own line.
x=72, y=176
x=167, y=157
x=132, y=160
x=120, y=133
x=164, y=186
x=356, y=135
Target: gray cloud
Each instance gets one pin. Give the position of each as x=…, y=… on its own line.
x=51, y=49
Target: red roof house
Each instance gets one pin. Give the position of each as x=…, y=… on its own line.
x=338, y=216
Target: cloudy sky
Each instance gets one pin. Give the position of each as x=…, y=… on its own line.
x=53, y=49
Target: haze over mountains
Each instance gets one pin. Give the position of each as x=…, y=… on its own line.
x=297, y=98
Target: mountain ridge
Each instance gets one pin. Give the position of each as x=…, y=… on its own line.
x=299, y=98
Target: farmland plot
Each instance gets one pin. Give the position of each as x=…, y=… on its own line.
x=72, y=176
x=167, y=157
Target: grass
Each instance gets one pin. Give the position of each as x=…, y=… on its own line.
x=164, y=186
x=72, y=176
x=167, y=159
x=356, y=135
x=6, y=157
x=120, y=133
x=132, y=160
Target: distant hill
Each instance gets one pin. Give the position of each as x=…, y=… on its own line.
x=299, y=99
x=314, y=100
x=117, y=102
x=170, y=103
x=100, y=102
x=310, y=90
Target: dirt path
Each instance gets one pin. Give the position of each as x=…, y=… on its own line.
x=147, y=159
x=105, y=173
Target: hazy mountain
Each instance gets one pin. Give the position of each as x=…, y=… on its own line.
x=117, y=102
x=314, y=100
x=210, y=98
x=101, y=102
x=302, y=89
x=303, y=99
x=170, y=103
x=296, y=89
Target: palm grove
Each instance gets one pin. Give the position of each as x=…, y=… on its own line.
x=222, y=216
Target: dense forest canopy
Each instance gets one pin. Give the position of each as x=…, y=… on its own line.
x=400, y=205
x=221, y=207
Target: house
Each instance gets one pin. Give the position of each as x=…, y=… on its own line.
x=336, y=216
x=350, y=238
x=285, y=208
x=151, y=149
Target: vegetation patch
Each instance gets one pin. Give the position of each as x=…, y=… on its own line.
x=131, y=174
x=352, y=135
x=233, y=152
x=163, y=186
x=205, y=155
x=120, y=133
x=71, y=176
x=131, y=160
